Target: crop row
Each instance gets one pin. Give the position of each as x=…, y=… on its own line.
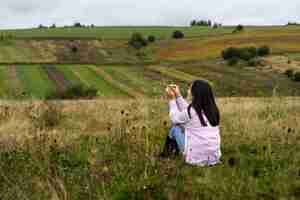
x=40, y=81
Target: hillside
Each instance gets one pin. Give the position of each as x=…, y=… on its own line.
x=39, y=62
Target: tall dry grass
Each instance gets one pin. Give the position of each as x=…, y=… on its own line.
x=107, y=149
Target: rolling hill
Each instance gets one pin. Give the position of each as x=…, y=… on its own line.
x=38, y=62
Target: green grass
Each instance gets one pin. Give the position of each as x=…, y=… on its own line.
x=141, y=79
x=69, y=74
x=294, y=56
x=95, y=152
x=89, y=77
x=4, y=83
x=35, y=81
x=241, y=80
x=114, y=32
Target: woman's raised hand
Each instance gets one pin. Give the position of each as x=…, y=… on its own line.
x=170, y=93
x=175, y=89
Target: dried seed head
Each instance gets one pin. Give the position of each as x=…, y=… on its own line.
x=231, y=161
x=122, y=112
x=255, y=173
x=264, y=148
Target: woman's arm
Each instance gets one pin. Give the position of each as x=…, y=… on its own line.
x=178, y=116
x=181, y=103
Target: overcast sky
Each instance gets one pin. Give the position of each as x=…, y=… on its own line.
x=30, y=13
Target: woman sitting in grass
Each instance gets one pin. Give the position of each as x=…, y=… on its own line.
x=195, y=131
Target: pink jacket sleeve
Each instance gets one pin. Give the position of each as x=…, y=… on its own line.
x=178, y=116
x=181, y=103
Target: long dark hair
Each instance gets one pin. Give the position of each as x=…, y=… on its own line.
x=204, y=101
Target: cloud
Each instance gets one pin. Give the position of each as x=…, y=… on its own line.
x=30, y=13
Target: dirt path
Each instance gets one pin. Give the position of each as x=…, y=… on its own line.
x=58, y=77
x=130, y=91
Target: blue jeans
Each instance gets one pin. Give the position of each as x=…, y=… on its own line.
x=177, y=134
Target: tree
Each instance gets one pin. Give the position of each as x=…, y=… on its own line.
x=53, y=26
x=193, y=23
x=151, y=38
x=209, y=23
x=137, y=41
x=239, y=28
x=77, y=25
x=42, y=26
x=178, y=35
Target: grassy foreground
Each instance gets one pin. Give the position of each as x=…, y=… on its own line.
x=107, y=150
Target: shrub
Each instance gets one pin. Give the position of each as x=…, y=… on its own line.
x=289, y=73
x=76, y=92
x=74, y=49
x=297, y=76
x=253, y=62
x=137, y=41
x=239, y=27
x=246, y=54
x=263, y=51
x=233, y=61
x=178, y=35
x=151, y=38
x=230, y=53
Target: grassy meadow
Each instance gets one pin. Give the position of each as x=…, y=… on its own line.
x=107, y=147
x=108, y=150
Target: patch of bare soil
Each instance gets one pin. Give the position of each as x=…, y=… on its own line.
x=57, y=77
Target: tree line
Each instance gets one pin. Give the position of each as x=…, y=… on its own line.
x=205, y=23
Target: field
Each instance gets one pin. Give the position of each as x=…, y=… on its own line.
x=65, y=150
x=113, y=32
x=106, y=146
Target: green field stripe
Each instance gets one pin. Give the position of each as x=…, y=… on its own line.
x=130, y=91
x=168, y=71
x=147, y=82
x=69, y=74
x=116, y=32
x=35, y=81
x=90, y=78
x=4, y=82
x=14, y=82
